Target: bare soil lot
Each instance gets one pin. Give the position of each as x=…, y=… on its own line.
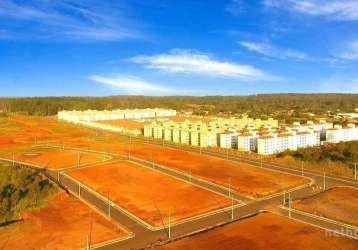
x=148, y=194
x=263, y=231
x=245, y=179
x=340, y=203
x=57, y=159
x=63, y=224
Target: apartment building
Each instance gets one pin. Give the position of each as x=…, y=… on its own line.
x=266, y=145
x=247, y=141
x=340, y=134
x=118, y=114
x=228, y=139
x=184, y=136
x=168, y=133
x=286, y=141
x=158, y=132
x=208, y=138
x=305, y=139
x=195, y=137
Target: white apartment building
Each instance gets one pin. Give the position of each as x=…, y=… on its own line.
x=184, y=136
x=168, y=133
x=266, y=145
x=247, y=142
x=228, y=139
x=334, y=135
x=208, y=138
x=118, y=114
x=339, y=134
x=158, y=132
x=194, y=137
x=305, y=139
x=286, y=141
x=350, y=133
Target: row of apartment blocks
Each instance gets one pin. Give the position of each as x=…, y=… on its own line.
x=293, y=137
x=205, y=133
x=118, y=114
x=338, y=134
x=265, y=140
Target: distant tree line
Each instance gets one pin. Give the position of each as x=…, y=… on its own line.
x=255, y=105
x=21, y=189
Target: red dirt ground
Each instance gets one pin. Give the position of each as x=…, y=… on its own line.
x=245, y=179
x=64, y=224
x=339, y=203
x=57, y=159
x=26, y=130
x=146, y=193
x=263, y=231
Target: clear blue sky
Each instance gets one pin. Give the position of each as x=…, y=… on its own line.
x=177, y=47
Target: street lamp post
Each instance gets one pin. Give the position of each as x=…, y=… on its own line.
x=302, y=168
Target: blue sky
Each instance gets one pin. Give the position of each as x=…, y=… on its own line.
x=177, y=47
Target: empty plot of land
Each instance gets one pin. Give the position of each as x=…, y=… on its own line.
x=64, y=224
x=264, y=231
x=57, y=159
x=244, y=178
x=340, y=203
x=148, y=194
x=18, y=130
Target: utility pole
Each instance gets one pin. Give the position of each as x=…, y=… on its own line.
x=232, y=207
x=109, y=206
x=355, y=171
x=78, y=159
x=87, y=243
x=284, y=198
x=229, y=180
x=289, y=205
x=169, y=226
x=302, y=168
x=130, y=143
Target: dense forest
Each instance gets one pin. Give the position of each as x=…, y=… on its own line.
x=344, y=152
x=21, y=189
x=264, y=104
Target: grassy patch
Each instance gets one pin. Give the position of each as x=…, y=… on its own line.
x=21, y=189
